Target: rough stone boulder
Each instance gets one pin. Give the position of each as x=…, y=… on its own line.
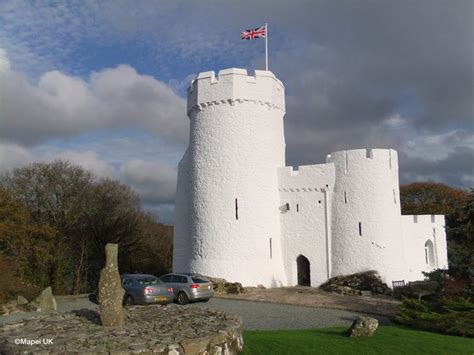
x=355, y=283
x=363, y=327
x=44, y=302
x=20, y=300
x=223, y=286
x=110, y=290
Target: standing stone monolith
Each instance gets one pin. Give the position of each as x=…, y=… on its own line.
x=110, y=290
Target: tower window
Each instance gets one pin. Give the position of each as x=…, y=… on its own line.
x=297, y=207
x=429, y=254
x=287, y=206
x=360, y=229
x=394, y=196
x=271, y=252
x=345, y=197
x=236, y=209
x=319, y=201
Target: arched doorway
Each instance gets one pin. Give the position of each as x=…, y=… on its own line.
x=304, y=275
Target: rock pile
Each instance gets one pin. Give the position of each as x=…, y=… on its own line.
x=166, y=330
x=45, y=302
x=223, y=286
x=356, y=283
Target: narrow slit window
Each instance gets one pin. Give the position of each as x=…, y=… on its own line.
x=345, y=197
x=394, y=196
x=360, y=229
x=297, y=207
x=319, y=201
x=287, y=206
x=271, y=252
x=236, y=209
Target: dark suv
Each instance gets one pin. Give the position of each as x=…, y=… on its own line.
x=189, y=287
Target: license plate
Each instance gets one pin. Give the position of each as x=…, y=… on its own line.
x=205, y=287
x=160, y=298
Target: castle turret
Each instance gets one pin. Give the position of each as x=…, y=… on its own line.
x=366, y=221
x=227, y=218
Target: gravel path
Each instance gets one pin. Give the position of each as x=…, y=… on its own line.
x=255, y=315
x=272, y=316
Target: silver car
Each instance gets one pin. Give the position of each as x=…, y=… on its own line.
x=142, y=288
x=189, y=287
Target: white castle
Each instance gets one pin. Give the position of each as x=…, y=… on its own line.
x=242, y=215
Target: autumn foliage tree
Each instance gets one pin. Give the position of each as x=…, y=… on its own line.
x=24, y=245
x=55, y=220
x=431, y=198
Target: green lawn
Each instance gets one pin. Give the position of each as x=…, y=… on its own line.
x=387, y=340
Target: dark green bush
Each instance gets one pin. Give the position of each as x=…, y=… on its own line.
x=447, y=316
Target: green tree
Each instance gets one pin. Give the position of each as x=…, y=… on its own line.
x=460, y=229
x=55, y=195
x=26, y=244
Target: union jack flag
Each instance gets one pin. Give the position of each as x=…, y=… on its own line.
x=260, y=32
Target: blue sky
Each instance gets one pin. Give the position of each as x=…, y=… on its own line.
x=102, y=83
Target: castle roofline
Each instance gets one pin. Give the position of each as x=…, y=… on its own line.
x=233, y=71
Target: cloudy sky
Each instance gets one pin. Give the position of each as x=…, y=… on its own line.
x=102, y=83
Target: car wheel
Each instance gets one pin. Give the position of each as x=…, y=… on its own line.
x=205, y=300
x=128, y=300
x=183, y=298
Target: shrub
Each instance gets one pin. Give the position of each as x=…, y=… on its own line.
x=454, y=317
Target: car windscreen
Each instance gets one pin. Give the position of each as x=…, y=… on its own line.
x=149, y=281
x=199, y=280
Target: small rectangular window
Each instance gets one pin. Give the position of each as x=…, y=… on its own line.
x=394, y=196
x=287, y=206
x=360, y=229
x=271, y=252
x=345, y=197
x=297, y=207
x=236, y=209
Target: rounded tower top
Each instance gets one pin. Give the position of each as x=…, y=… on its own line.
x=234, y=85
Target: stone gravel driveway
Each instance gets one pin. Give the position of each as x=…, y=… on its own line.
x=255, y=315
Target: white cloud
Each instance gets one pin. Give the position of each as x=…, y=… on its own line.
x=395, y=121
x=4, y=62
x=154, y=181
x=61, y=106
x=434, y=147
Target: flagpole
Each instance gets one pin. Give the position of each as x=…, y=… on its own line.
x=266, y=46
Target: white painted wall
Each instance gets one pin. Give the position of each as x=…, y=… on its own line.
x=181, y=232
x=304, y=229
x=417, y=230
x=369, y=178
x=236, y=145
x=237, y=150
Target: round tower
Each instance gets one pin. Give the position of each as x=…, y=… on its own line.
x=366, y=221
x=227, y=216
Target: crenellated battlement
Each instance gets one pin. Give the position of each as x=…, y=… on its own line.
x=356, y=157
x=316, y=177
x=234, y=86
